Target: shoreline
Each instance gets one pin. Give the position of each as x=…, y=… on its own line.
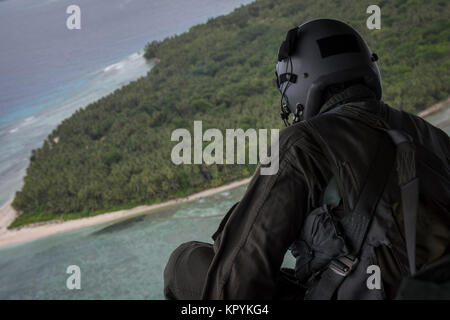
x=45, y=229
x=434, y=108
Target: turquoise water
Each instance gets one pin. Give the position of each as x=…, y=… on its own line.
x=119, y=260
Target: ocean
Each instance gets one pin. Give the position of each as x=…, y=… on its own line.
x=118, y=260
x=48, y=71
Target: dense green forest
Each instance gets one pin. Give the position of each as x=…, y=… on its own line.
x=115, y=153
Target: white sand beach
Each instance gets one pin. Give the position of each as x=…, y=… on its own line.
x=32, y=232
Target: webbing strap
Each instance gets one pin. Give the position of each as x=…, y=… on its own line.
x=357, y=222
x=407, y=177
x=410, y=195
x=356, y=225
x=409, y=191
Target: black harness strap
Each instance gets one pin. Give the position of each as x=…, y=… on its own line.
x=357, y=222
x=410, y=196
x=409, y=191
x=406, y=171
x=356, y=225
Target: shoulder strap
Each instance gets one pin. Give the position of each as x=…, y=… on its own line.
x=356, y=223
x=406, y=171
x=409, y=190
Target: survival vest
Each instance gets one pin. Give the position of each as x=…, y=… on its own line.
x=388, y=200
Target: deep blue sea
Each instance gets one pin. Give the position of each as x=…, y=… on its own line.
x=48, y=71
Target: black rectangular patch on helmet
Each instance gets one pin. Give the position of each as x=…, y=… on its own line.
x=343, y=43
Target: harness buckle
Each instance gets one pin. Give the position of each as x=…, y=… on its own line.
x=343, y=265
